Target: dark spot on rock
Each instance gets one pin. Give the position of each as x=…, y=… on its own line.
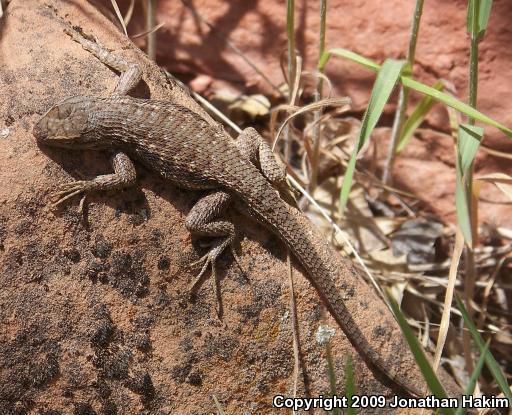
x=156, y=237
x=67, y=393
x=44, y=372
x=267, y=293
x=142, y=384
x=140, y=340
x=105, y=328
x=23, y=227
x=19, y=408
x=144, y=321
x=195, y=378
x=104, y=390
x=121, y=262
x=109, y=408
x=115, y=366
x=221, y=346
x=83, y=408
x=249, y=312
x=128, y=275
x=136, y=219
x=101, y=248
x=9, y=120
x=103, y=333
x=97, y=271
x=14, y=258
x=186, y=344
x=72, y=254
x=180, y=372
x=347, y=289
x=378, y=331
x=163, y=263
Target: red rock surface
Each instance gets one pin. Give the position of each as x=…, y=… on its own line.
x=94, y=318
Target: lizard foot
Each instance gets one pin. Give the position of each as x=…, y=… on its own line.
x=69, y=190
x=209, y=260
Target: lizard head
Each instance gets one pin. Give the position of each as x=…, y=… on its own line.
x=64, y=125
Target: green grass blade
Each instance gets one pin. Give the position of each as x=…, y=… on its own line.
x=462, y=208
x=384, y=84
x=430, y=377
x=468, y=141
x=469, y=138
x=470, y=387
x=418, y=86
x=331, y=372
x=345, y=53
x=478, y=17
x=350, y=384
x=416, y=118
x=490, y=361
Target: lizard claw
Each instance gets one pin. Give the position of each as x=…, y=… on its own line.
x=209, y=260
x=68, y=190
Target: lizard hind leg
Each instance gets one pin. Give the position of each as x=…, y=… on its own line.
x=254, y=148
x=203, y=220
x=131, y=73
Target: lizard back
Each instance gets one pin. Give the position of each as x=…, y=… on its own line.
x=170, y=139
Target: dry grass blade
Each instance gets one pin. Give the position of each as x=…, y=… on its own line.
x=311, y=107
x=295, y=326
x=220, y=411
x=487, y=292
x=445, y=319
x=292, y=97
x=501, y=180
x=148, y=32
x=296, y=81
x=129, y=12
x=119, y=16
x=496, y=153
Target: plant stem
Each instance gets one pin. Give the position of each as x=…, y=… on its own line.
x=317, y=131
x=292, y=68
x=469, y=256
x=403, y=97
x=150, y=24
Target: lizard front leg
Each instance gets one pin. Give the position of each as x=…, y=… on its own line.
x=124, y=176
x=203, y=220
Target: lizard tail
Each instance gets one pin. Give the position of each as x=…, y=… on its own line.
x=356, y=307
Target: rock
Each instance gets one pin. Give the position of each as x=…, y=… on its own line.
x=95, y=317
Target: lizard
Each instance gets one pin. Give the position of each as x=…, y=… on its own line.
x=189, y=152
